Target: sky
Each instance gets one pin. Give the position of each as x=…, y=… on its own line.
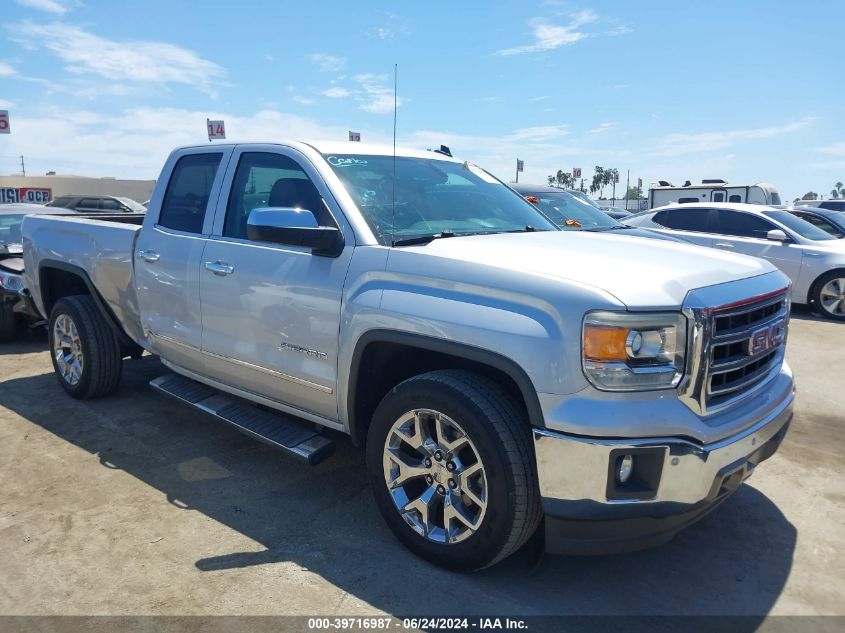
x=747, y=91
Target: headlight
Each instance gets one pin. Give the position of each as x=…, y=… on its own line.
x=623, y=351
x=13, y=283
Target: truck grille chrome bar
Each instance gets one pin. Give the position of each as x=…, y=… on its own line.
x=734, y=351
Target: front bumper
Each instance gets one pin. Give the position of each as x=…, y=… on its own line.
x=588, y=512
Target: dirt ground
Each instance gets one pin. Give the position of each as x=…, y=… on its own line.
x=135, y=505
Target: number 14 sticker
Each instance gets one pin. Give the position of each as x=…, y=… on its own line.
x=216, y=129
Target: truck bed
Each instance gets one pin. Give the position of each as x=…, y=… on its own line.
x=101, y=245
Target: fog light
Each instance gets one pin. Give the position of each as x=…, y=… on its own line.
x=624, y=468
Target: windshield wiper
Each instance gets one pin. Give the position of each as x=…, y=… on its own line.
x=423, y=239
x=430, y=237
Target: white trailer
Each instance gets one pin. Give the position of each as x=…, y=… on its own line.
x=712, y=190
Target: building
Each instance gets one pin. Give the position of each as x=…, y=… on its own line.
x=41, y=189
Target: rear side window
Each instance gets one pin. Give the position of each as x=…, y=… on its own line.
x=741, y=224
x=735, y=198
x=187, y=194
x=683, y=219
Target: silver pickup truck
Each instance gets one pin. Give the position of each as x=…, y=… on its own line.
x=499, y=373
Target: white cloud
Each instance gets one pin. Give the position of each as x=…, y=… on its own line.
x=548, y=36
x=303, y=100
x=6, y=105
x=541, y=133
x=691, y=143
x=336, y=93
x=542, y=98
x=7, y=70
x=604, y=127
x=327, y=63
x=376, y=95
x=50, y=6
x=835, y=149
x=127, y=61
x=396, y=25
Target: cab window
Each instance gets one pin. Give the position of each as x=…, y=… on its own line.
x=188, y=191
x=265, y=179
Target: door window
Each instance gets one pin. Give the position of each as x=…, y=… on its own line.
x=92, y=204
x=683, y=219
x=718, y=196
x=188, y=191
x=108, y=204
x=265, y=179
x=741, y=224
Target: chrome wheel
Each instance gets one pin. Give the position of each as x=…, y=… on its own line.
x=67, y=349
x=435, y=476
x=833, y=297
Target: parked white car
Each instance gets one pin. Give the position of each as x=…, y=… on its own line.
x=813, y=259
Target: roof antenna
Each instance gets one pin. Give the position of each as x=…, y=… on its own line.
x=393, y=213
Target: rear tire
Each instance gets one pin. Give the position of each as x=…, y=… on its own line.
x=486, y=434
x=829, y=295
x=85, y=351
x=8, y=324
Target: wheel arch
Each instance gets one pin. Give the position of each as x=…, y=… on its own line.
x=57, y=279
x=811, y=293
x=409, y=354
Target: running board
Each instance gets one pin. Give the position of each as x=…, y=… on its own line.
x=277, y=429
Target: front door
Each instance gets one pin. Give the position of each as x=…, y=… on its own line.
x=741, y=232
x=271, y=312
x=167, y=258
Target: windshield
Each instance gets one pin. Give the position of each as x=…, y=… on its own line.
x=10, y=229
x=802, y=227
x=432, y=196
x=585, y=198
x=136, y=207
x=570, y=212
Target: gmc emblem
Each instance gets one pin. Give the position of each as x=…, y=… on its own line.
x=767, y=337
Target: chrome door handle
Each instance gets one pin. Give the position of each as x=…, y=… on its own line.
x=151, y=257
x=723, y=245
x=219, y=268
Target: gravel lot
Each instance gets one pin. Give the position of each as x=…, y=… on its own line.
x=135, y=505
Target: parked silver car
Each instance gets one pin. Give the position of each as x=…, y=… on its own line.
x=813, y=259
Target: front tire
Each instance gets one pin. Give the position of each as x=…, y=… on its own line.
x=829, y=295
x=451, y=463
x=85, y=351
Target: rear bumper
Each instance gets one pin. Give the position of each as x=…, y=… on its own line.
x=679, y=482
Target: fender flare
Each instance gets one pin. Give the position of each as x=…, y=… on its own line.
x=450, y=348
x=102, y=307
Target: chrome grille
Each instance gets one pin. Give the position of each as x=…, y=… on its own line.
x=745, y=344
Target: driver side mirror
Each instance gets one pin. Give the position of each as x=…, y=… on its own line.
x=293, y=227
x=776, y=235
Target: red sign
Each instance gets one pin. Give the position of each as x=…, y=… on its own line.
x=34, y=195
x=576, y=172
x=4, y=122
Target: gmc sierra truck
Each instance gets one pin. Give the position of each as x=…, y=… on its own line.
x=500, y=374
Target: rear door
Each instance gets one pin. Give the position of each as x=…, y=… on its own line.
x=271, y=312
x=742, y=232
x=168, y=254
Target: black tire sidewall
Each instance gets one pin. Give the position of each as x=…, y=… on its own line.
x=480, y=548
x=68, y=307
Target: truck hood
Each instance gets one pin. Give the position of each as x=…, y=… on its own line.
x=639, y=272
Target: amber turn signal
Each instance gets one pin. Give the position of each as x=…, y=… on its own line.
x=605, y=343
